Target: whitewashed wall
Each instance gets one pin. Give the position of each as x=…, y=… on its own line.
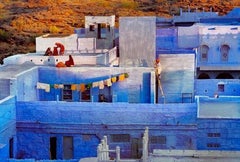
x=43, y=42
x=137, y=41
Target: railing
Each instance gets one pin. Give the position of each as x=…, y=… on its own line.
x=103, y=151
x=89, y=56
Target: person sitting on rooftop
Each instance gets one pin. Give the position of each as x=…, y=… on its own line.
x=48, y=52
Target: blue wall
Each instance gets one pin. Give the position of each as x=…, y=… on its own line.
x=88, y=123
x=209, y=87
x=24, y=86
x=213, y=39
x=138, y=83
x=7, y=126
x=225, y=134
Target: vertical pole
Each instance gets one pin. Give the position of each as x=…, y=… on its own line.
x=106, y=148
x=145, y=145
x=92, y=98
x=117, y=154
x=99, y=152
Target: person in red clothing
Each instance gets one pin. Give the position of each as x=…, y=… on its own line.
x=48, y=52
x=55, y=51
x=70, y=62
x=62, y=48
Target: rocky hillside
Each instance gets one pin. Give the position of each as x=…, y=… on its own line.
x=22, y=20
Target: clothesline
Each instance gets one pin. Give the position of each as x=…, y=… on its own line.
x=83, y=86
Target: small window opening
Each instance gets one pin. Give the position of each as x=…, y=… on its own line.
x=213, y=28
x=91, y=27
x=204, y=52
x=108, y=27
x=220, y=87
x=224, y=52
x=67, y=93
x=120, y=137
x=86, y=95
x=213, y=145
x=214, y=135
x=158, y=140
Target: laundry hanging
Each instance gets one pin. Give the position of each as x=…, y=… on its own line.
x=82, y=86
x=44, y=86
x=101, y=85
x=108, y=82
x=114, y=79
x=95, y=84
x=74, y=87
x=121, y=77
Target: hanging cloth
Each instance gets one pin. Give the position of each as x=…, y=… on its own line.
x=82, y=87
x=56, y=86
x=95, y=84
x=114, y=79
x=101, y=85
x=61, y=86
x=74, y=87
x=121, y=77
x=44, y=86
x=108, y=82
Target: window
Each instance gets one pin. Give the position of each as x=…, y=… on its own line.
x=220, y=87
x=213, y=145
x=158, y=139
x=120, y=137
x=91, y=27
x=203, y=76
x=214, y=135
x=105, y=94
x=224, y=52
x=86, y=95
x=204, y=52
x=67, y=93
x=53, y=148
x=224, y=76
x=86, y=137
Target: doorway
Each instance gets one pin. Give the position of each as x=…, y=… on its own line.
x=67, y=147
x=136, y=146
x=53, y=148
x=11, y=148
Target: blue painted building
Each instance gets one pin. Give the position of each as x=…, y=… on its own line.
x=50, y=112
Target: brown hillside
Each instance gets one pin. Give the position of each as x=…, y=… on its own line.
x=22, y=20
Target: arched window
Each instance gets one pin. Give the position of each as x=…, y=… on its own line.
x=224, y=52
x=203, y=76
x=204, y=52
x=224, y=76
